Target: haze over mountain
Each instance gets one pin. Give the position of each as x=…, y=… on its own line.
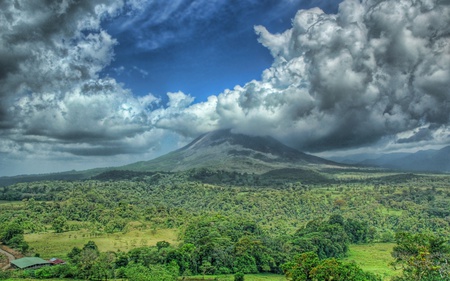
x=225, y=150
x=217, y=150
x=430, y=160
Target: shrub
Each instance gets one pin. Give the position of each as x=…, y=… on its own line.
x=239, y=276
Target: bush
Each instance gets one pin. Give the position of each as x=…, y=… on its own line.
x=239, y=276
x=5, y=274
x=56, y=271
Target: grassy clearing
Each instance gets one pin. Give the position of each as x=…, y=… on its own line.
x=392, y=212
x=50, y=245
x=374, y=258
x=11, y=204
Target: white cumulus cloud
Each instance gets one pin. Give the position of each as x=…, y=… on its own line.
x=372, y=71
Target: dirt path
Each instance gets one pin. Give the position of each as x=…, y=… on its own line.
x=10, y=258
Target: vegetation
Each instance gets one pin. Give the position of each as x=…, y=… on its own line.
x=160, y=226
x=11, y=234
x=373, y=257
x=422, y=257
x=308, y=267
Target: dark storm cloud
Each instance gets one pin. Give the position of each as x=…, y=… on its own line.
x=52, y=98
x=423, y=134
x=43, y=47
x=104, y=149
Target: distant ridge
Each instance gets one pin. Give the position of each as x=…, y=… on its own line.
x=421, y=161
x=225, y=150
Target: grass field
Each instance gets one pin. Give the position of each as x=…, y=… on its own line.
x=50, y=245
x=374, y=258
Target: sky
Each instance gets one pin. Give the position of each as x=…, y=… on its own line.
x=87, y=84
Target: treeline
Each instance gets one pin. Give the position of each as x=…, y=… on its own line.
x=170, y=200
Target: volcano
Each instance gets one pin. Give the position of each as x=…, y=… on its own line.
x=225, y=150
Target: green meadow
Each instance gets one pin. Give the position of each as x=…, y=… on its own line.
x=373, y=258
x=50, y=244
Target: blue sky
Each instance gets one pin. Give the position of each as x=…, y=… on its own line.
x=198, y=47
x=87, y=84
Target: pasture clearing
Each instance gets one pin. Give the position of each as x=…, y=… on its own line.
x=374, y=258
x=50, y=244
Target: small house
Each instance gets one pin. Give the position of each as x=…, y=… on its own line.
x=55, y=261
x=29, y=263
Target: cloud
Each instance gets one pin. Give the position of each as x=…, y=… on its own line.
x=53, y=101
x=375, y=72
x=44, y=47
x=372, y=71
x=422, y=134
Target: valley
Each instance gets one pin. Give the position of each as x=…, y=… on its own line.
x=279, y=211
x=123, y=212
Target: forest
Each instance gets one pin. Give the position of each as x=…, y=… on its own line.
x=294, y=223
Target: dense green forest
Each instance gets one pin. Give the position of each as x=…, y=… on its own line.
x=294, y=222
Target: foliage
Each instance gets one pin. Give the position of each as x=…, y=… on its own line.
x=330, y=238
x=11, y=234
x=239, y=276
x=227, y=244
x=422, y=257
x=59, y=224
x=139, y=272
x=308, y=267
x=228, y=222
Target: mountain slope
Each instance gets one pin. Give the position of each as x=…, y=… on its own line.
x=424, y=160
x=218, y=150
x=233, y=152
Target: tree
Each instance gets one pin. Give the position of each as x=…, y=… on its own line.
x=12, y=235
x=74, y=255
x=245, y=264
x=357, y=231
x=308, y=267
x=336, y=270
x=299, y=268
x=103, y=267
x=422, y=257
x=162, y=244
x=9, y=231
x=138, y=272
x=91, y=245
x=327, y=239
x=59, y=224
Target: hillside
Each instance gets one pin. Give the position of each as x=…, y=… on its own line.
x=224, y=150
x=217, y=150
x=424, y=160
